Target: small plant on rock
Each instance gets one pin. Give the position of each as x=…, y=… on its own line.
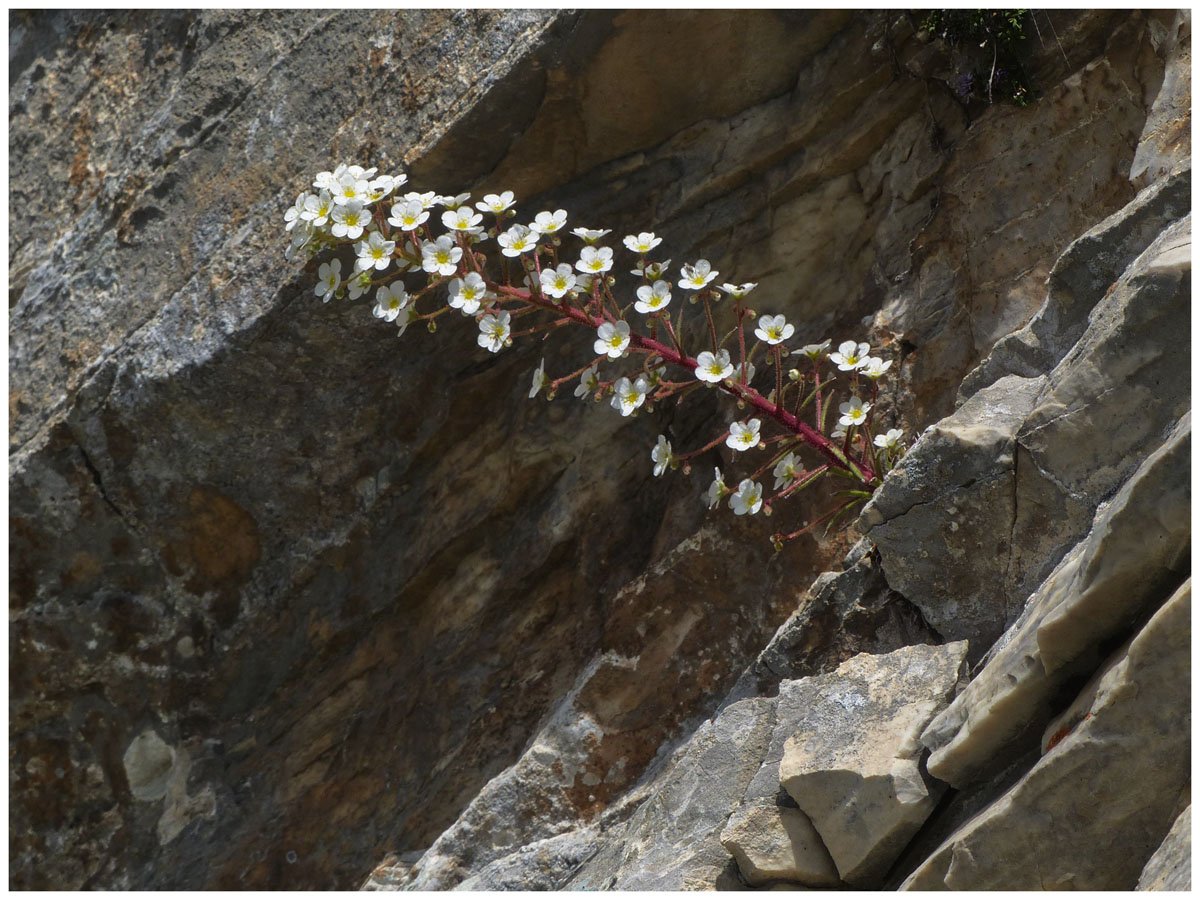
x=424, y=256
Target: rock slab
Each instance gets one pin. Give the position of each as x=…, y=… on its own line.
x=853, y=765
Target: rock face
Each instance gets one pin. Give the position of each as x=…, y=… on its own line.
x=777, y=843
x=1136, y=552
x=853, y=764
x=1075, y=821
x=292, y=601
x=1170, y=868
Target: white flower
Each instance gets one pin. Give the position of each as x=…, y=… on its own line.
x=318, y=209
x=496, y=203
x=653, y=271
x=451, y=201
x=889, y=441
x=595, y=260
x=612, y=338
x=358, y=284
x=774, y=329
x=494, y=331
x=390, y=299
x=854, y=412
x=539, y=379
x=716, y=490
x=713, y=367
x=462, y=218
x=327, y=181
x=407, y=316
x=642, y=243
x=408, y=216
x=583, y=283
x=874, y=367
x=329, y=279
x=441, y=256
x=295, y=212
x=744, y=435
x=747, y=498
x=737, y=372
x=698, y=276
x=558, y=282
x=661, y=454
x=812, y=351
x=786, y=470
x=467, y=294
x=590, y=235
x=738, y=291
x=517, y=240
x=384, y=185
x=351, y=189
x=652, y=299
x=374, y=252
x=427, y=200
x=549, y=222
x=350, y=220
x=629, y=395
x=850, y=356
x=589, y=383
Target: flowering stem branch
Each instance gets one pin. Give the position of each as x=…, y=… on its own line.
x=839, y=458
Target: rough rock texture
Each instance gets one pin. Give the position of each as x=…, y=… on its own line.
x=853, y=763
x=1081, y=818
x=948, y=506
x=774, y=843
x=1000, y=490
x=1136, y=553
x=1170, y=868
x=288, y=596
x=842, y=614
x=672, y=841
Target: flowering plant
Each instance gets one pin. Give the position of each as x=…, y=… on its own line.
x=532, y=286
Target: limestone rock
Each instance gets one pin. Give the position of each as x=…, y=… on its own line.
x=999, y=491
x=1091, y=812
x=284, y=542
x=772, y=843
x=842, y=614
x=541, y=866
x=943, y=518
x=672, y=841
x=853, y=765
x=1170, y=868
x=1166, y=137
x=1137, y=548
x=1079, y=281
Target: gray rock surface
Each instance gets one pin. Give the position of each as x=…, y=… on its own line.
x=672, y=841
x=996, y=493
x=1167, y=136
x=773, y=843
x=1080, y=279
x=1135, y=554
x=1170, y=868
x=854, y=763
x=283, y=542
x=943, y=518
x=1080, y=819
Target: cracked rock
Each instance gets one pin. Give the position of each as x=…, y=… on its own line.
x=853, y=765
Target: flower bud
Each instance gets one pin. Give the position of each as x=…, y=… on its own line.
x=431, y=326
x=794, y=375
